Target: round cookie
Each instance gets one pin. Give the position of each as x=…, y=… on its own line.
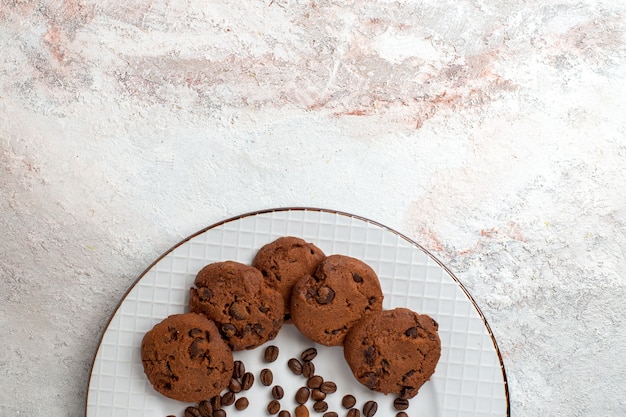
x=324, y=306
x=247, y=312
x=186, y=359
x=393, y=351
x=284, y=261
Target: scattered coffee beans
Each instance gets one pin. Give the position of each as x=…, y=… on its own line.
x=278, y=392
x=309, y=354
x=239, y=369
x=315, y=381
x=219, y=413
x=328, y=387
x=330, y=414
x=318, y=395
x=247, y=381
x=242, y=403
x=320, y=406
x=302, y=395
x=234, y=386
x=267, y=377
x=284, y=413
x=353, y=412
x=192, y=412
x=402, y=414
x=302, y=411
x=228, y=398
x=370, y=408
x=216, y=403
x=295, y=365
x=308, y=369
x=348, y=401
x=271, y=353
x=273, y=407
x=206, y=410
x=401, y=404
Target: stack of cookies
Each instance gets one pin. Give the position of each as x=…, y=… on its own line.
x=333, y=300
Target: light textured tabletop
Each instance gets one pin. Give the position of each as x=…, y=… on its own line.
x=492, y=132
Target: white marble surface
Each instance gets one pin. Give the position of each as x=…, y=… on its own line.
x=492, y=132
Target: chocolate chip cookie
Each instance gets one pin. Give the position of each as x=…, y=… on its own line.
x=246, y=310
x=186, y=359
x=393, y=351
x=284, y=261
x=325, y=305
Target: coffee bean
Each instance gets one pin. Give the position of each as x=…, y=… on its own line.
x=278, y=392
x=353, y=412
x=302, y=411
x=206, y=410
x=308, y=369
x=239, y=369
x=219, y=413
x=348, y=401
x=242, y=403
x=320, y=406
x=267, y=377
x=228, y=398
x=330, y=414
x=302, y=395
x=273, y=407
x=295, y=365
x=402, y=414
x=318, y=395
x=284, y=413
x=407, y=392
x=370, y=408
x=192, y=412
x=401, y=403
x=247, y=381
x=271, y=353
x=309, y=354
x=216, y=403
x=328, y=387
x=315, y=381
x=235, y=385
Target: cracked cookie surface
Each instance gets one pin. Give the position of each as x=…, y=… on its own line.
x=285, y=261
x=325, y=305
x=393, y=351
x=186, y=359
x=245, y=309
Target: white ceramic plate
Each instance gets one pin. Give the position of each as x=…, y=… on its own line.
x=469, y=379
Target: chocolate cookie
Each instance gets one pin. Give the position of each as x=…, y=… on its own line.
x=185, y=358
x=246, y=310
x=284, y=261
x=394, y=351
x=324, y=306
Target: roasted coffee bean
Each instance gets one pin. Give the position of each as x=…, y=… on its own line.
x=328, y=387
x=348, y=401
x=239, y=369
x=318, y=395
x=295, y=365
x=192, y=412
x=216, y=403
x=242, y=403
x=277, y=392
x=401, y=403
x=267, y=377
x=370, y=408
x=320, y=406
x=228, y=398
x=402, y=414
x=271, y=353
x=273, y=407
x=309, y=354
x=407, y=392
x=235, y=385
x=330, y=414
x=247, y=381
x=219, y=413
x=206, y=410
x=315, y=381
x=302, y=411
x=302, y=395
x=284, y=413
x=308, y=369
x=353, y=412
